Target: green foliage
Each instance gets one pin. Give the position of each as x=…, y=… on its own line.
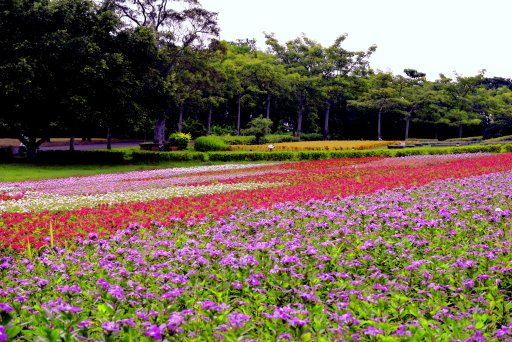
x=210, y=143
x=238, y=139
x=180, y=140
x=311, y=136
x=221, y=130
x=258, y=127
x=277, y=138
x=252, y=156
x=158, y=157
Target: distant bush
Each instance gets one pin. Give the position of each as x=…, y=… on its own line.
x=311, y=136
x=278, y=138
x=180, y=140
x=210, y=143
x=238, y=139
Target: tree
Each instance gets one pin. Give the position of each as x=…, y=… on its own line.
x=383, y=95
x=301, y=58
x=337, y=67
x=414, y=93
x=53, y=56
x=179, y=25
x=258, y=127
x=461, y=108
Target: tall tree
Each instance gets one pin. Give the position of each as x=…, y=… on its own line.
x=415, y=95
x=383, y=95
x=180, y=25
x=338, y=66
x=53, y=54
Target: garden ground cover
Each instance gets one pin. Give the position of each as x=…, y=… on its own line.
x=428, y=260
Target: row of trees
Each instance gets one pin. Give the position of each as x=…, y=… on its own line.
x=123, y=67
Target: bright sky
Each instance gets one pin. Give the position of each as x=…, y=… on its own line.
x=432, y=36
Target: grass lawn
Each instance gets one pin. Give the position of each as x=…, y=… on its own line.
x=20, y=172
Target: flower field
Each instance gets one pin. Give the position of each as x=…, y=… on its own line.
x=413, y=248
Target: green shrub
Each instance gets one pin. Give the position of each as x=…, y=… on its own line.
x=210, y=143
x=180, y=140
x=311, y=136
x=277, y=138
x=80, y=157
x=507, y=148
x=238, y=139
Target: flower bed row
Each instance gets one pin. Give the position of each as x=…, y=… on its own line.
x=316, y=180
x=429, y=263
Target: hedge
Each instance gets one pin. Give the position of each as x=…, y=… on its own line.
x=156, y=157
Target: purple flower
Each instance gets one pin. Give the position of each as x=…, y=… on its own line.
x=111, y=326
x=5, y=307
x=3, y=334
x=85, y=324
x=238, y=320
x=154, y=331
x=415, y=265
x=297, y=322
x=504, y=332
x=126, y=321
x=237, y=285
x=477, y=337
x=174, y=293
x=372, y=331
x=103, y=283
x=469, y=283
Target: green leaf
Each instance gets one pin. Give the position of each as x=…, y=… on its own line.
x=12, y=332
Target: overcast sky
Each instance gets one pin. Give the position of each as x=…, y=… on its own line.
x=432, y=36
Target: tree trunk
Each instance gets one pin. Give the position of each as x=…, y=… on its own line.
x=109, y=139
x=379, y=120
x=269, y=96
x=326, y=119
x=31, y=144
x=238, y=114
x=209, y=123
x=72, y=143
x=436, y=133
x=300, y=114
x=460, y=131
x=159, y=132
x=407, y=122
x=180, y=118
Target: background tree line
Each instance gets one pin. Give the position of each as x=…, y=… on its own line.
x=143, y=68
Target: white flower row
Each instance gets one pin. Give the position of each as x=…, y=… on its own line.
x=36, y=201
